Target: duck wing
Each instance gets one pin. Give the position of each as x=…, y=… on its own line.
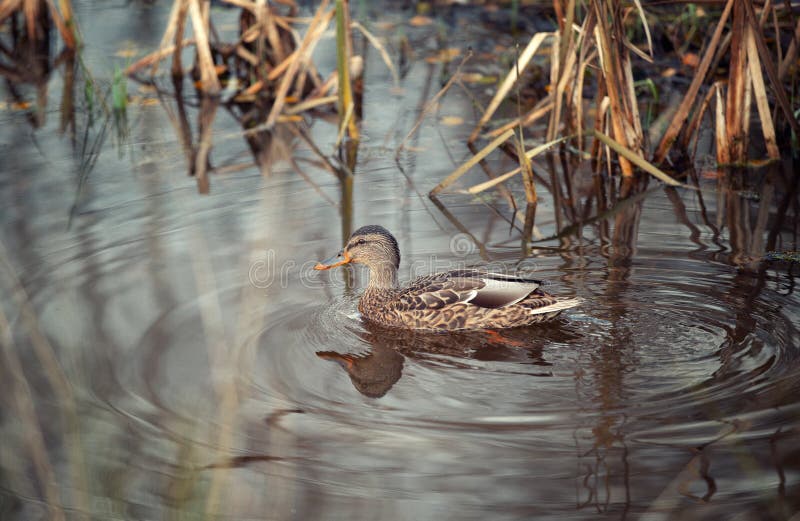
x=483, y=289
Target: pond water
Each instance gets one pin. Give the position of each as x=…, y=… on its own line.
x=172, y=355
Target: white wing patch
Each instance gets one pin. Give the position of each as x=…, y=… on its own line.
x=500, y=290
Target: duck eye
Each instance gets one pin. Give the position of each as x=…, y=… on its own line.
x=360, y=242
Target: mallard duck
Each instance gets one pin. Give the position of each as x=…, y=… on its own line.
x=454, y=300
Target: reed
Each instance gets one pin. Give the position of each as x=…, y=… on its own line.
x=39, y=17
x=596, y=44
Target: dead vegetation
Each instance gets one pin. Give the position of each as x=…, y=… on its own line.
x=596, y=47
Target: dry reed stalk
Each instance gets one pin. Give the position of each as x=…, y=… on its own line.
x=315, y=30
x=8, y=7
x=461, y=170
x=760, y=91
x=560, y=74
x=208, y=111
x=735, y=104
x=310, y=104
x=721, y=134
x=64, y=23
x=544, y=106
x=205, y=62
x=636, y=159
x=344, y=51
x=791, y=53
x=32, y=11
x=381, y=50
x=694, y=123
x=529, y=155
x=531, y=197
x=155, y=57
x=511, y=78
x=772, y=72
x=682, y=114
x=615, y=65
x=177, y=16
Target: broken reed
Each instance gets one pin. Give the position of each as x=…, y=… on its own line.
x=593, y=39
x=38, y=15
x=269, y=64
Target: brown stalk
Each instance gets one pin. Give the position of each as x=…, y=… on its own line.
x=586, y=57
x=772, y=73
x=208, y=76
x=461, y=170
x=694, y=123
x=155, y=57
x=682, y=113
x=511, y=78
x=721, y=135
x=566, y=71
x=791, y=53
x=760, y=92
x=177, y=66
x=7, y=7
x=614, y=79
x=544, y=106
x=31, y=10
x=315, y=29
x=735, y=107
x=64, y=25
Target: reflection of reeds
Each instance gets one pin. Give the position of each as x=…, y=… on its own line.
x=39, y=15
x=22, y=401
x=26, y=55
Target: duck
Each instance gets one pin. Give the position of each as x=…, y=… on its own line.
x=456, y=300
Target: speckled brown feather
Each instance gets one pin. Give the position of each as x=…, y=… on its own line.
x=442, y=302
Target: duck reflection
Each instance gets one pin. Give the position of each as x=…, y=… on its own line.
x=374, y=371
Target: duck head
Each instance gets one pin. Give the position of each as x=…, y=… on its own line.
x=372, y=246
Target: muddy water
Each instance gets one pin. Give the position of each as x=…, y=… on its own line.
x=167, y=354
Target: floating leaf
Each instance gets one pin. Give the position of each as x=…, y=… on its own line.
x=126, y=53
x=690, y=59
x=444, y=56
x=419, y=21
x=476, y=77
x=451, y=121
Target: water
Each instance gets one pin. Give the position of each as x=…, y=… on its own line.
x=167, y=354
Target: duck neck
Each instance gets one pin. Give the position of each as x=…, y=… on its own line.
x=382, y=276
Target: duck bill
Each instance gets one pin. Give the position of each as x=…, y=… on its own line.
x=339, y=259
x=346, y=361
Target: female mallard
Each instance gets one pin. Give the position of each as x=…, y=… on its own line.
x=460, y=299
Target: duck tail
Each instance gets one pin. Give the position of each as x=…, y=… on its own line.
x=560, y=304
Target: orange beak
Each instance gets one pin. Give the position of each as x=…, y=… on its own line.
x=339, y=259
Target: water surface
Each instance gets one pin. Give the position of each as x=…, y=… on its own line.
x=168, y=354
